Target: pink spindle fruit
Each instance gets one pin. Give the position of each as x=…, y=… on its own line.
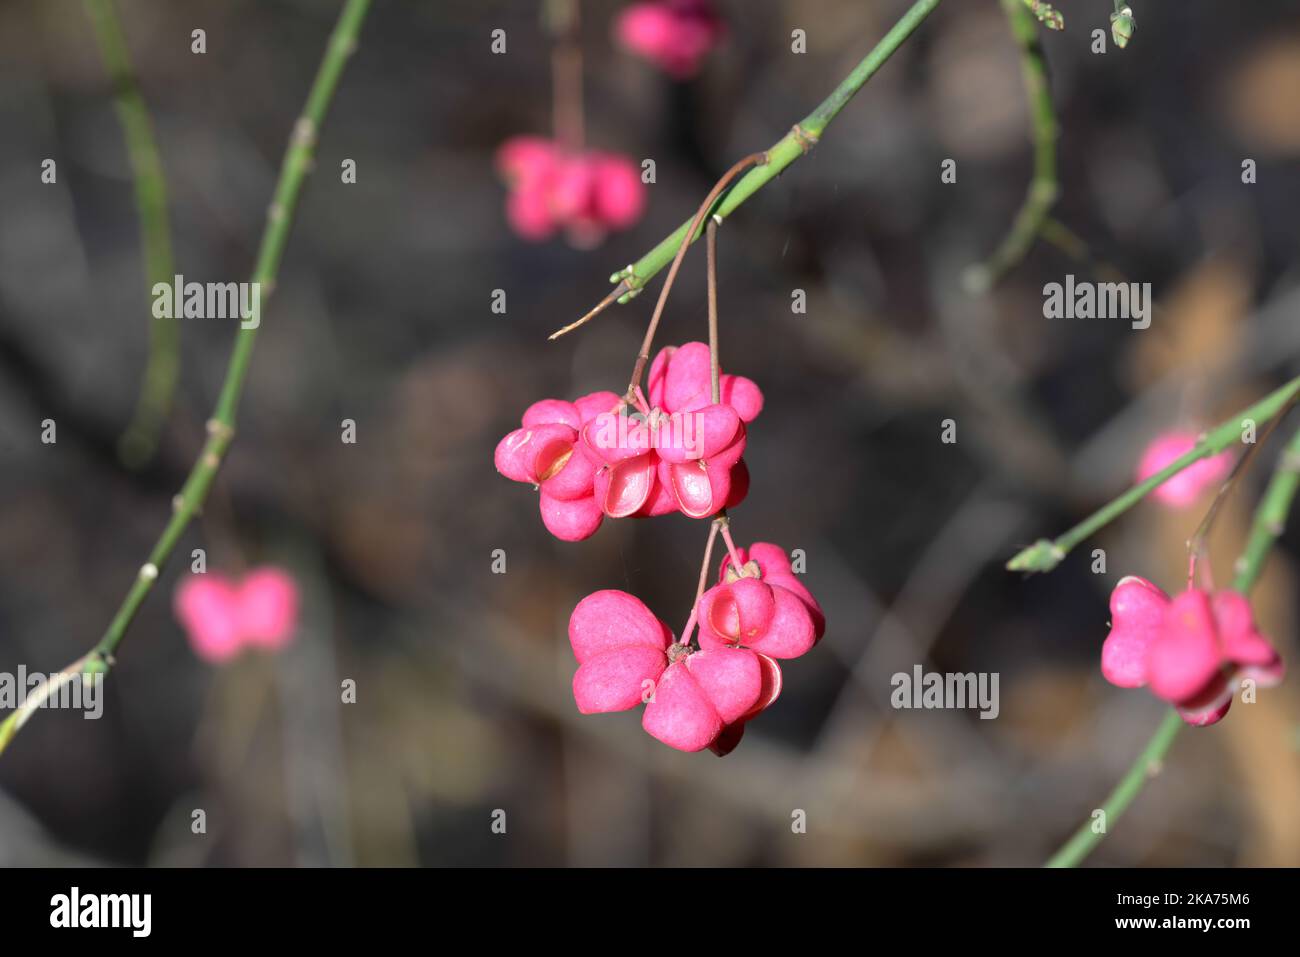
x=221, y=617
x=585, y=193
x=1187, y=486
x=1190, y=650
x=675, y=35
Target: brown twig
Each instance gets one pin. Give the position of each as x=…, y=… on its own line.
x=643, y=356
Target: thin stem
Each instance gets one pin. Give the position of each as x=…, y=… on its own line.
x=1268, y=523
x=1043, y=188
x=801, y=138
x=722, y=520
x=596, y=310
x=643, y=355
x=1196, y=545
x=566, y=74
x=1270, y=517
x=162, y=367
x=724, y=524
x=221, y=427
x=640, y=403
x=1057, y=234
x=704, y=577
x=1147, y=765
x=1046, y=554
x=80, y=670
x=715, y=363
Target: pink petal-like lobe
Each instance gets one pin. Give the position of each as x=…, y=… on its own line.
x=207, y=607
x=623, y=489
x=1137, y=614
x=570, y=520
x=617, y=679
x=1185, y=662
x=268, y=607
x=680, y=713
x=731, y=678
x=610, y=619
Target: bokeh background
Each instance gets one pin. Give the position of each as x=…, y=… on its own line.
x=382, y=315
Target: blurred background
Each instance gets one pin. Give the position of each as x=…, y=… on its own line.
x=382, y=314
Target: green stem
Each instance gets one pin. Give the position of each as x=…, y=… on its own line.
x=1043, y=188
x=1268, y=523
x=221, y=427
x=296, y=164
x=1146, y=766
x=1046, y=554
x=1270, y=517
x=802, y=138
x=158, y=386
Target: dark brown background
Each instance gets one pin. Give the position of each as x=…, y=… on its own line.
x=382, y=315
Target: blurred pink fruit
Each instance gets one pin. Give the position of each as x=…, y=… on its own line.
x=221, y=617
x=1185, y=487
x=1190, y=650
x=675, y=35
x=587, y=194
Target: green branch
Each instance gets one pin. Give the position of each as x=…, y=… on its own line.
x=1268, y=523
x=221, y=427
x=158, y=385
x=802, y=138
x=1043, y=188
x=1270, y=517
x=1046, y=554
x=1147, y=765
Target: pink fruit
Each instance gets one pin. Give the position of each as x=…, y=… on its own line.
x=689, y=455
x=730, y=735
x=694, y=699
x=544, y=453
x=1137, y=613
x=529, y=213
x=526, y=159
x=222, y=617
x=1187, y=486
x=621, y=649
x=268, y=608
x=773, y=565
x=702, y=693
x=675, y=35
x=681, y=380
x=207, y=607
x=754, y=614
x=619, y=195
x=686, y=454
x=1190, y=650
x=584, y=193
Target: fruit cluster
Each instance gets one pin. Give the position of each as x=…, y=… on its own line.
x=222, y=616
x=1190, y=650
x=599, y=455
x=586, y=193
x=675, y=35
x=678, y=450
